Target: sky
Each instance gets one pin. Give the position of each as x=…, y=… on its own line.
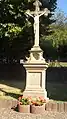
x=62, y=4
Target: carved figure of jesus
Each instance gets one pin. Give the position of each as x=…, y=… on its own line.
x=36, y=30
x=35, y=15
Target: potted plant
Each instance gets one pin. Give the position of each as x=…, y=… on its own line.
x=24, y=104
x=38, y=105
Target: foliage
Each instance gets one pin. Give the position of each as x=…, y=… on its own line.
x=59, y=28
x=16, y=29
x=46, y=21
x=55, y=63
x=38, y=101
x=58, y=38
x=13, y=12
x=23, y=100
x=60, y=17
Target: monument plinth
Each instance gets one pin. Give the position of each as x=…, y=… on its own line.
x=36, y=65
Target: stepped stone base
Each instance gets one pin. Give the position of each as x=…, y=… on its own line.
x=35, y=93
x=35, y=73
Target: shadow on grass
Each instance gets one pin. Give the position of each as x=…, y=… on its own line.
x=12, y=75
x=57, y=91
x=15, y=75
x=56, y=83
x=13, y=95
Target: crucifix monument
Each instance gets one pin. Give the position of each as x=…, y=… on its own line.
x=36, y=65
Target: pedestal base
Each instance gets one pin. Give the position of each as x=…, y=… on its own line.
x=35, y=73
x=34, y=93
x=35, y=80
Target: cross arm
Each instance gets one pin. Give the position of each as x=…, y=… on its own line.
x=29, y=13
x=44, y=12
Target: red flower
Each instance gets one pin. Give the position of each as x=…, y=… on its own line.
x=19, y=98
x=33, y=102
x=44, y=100
x=41, y=98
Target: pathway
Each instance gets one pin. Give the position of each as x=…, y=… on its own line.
x=10, y=114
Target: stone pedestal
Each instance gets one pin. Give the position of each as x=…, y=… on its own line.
x=35, y=73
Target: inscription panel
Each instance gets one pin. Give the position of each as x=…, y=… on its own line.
x=35, y=78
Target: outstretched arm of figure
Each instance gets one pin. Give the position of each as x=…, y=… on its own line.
x=45, y=12
x=28, y=13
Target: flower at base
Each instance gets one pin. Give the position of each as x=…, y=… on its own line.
x=23, y=100
x=38, y=101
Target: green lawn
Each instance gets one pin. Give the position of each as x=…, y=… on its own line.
x=58, y=64
x=64, y=64
x=11, y=89
x=56, y=91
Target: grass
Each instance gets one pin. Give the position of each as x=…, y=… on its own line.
x=11, y=91
x=10, y=94
x=56, y=91
x=63, y=64
x=57, y=64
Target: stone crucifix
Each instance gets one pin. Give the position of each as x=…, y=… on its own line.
x=35, y=15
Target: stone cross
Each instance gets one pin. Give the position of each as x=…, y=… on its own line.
x=36, y=65
x=35, y=15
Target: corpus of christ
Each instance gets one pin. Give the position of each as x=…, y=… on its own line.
x=36, y=65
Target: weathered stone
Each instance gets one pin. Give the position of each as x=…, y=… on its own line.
x=65, y=106
x=60, y=107
x=36, y=65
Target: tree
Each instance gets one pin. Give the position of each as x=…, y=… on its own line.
x=58, y=38
x=45, y=22
x=16, y=29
